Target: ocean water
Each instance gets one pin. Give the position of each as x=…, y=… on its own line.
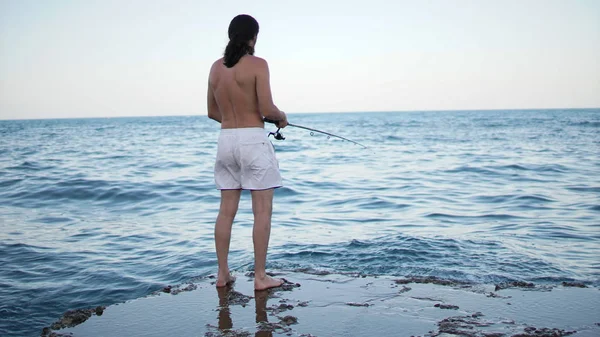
x=100, y=211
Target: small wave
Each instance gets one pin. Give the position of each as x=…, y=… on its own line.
x=499, y=199
x=471, y=169
x=76, y=190
x=537, y=198
x=117, y=157
x=594, y=208
x=394, y=138
x=10, y=182
x=593, y=124
x=539, y=168
x=378, y=203
x=593, y=189
x=18, y=248
x=164, y=165
x=104, y=128
x=52, y=220
x=562, y=233
x=286, y=191
x=484, y=216
x=28, y=166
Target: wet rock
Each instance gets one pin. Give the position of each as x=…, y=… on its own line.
x=312, y=271
x=574, y=284
x=289, y=320
x=72, y=318
x=286, y=286
x=303, y=304
x=281, y=308
x=272, y=274
x=353, y=304
x=543, y=332
x=237, y=298
x=228, y=333
x=426, y=299
x=470, y=326
x=284, y=307
x=455, y=326
x=462, y=325
x=99, y=310
x=446, y=306
x=494, y=295
x=180, y=289
x=268, y=327
x=431, y=280
x=280, y=327
x=166, y=289
x=404, y=290
x=514, y=284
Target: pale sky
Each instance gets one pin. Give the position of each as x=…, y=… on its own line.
x=85, y=58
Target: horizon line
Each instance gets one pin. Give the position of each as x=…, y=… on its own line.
x=305, y=113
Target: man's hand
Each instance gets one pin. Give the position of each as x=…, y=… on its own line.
x=283, y=122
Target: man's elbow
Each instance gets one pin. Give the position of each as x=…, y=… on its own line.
x=214, y=116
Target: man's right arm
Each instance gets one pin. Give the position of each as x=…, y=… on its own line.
x=263, y=93
x=212, y=106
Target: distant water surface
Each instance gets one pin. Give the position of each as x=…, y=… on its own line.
x=99, y=211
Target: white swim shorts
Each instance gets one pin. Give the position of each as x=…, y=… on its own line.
x=246, y=160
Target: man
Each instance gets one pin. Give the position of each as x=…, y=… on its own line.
x=239, y=96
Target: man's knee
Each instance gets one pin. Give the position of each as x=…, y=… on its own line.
x=228, y=211
x=262, y=202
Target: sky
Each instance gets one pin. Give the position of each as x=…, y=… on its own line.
x=87, y=58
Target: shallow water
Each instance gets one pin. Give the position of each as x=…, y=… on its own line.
x=98, y=211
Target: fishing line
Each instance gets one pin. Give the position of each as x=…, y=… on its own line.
x=277, y=134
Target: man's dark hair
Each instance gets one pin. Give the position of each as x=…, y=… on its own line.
x=242, y=29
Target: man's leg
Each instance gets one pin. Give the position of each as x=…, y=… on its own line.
x=262, y=207
x=230, y=200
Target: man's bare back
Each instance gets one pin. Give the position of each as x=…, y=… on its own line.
x=240, y=96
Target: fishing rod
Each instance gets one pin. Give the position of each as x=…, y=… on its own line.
x=277, y=134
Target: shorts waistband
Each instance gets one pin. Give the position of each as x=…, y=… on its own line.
x=243, y=131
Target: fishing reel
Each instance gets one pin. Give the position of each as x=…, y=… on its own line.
x=277, y=135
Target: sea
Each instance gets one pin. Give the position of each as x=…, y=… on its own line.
x=100, y=211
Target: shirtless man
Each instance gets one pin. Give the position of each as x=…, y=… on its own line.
x=239, y=96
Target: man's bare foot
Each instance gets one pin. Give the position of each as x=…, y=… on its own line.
x=225, y=280
x=266, y=282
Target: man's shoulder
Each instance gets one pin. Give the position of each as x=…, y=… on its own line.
x=257, y=61
x=217, y=63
